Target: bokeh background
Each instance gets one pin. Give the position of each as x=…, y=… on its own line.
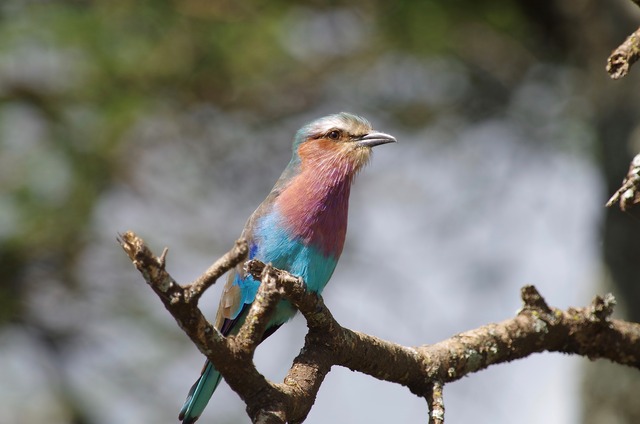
x=173, y=118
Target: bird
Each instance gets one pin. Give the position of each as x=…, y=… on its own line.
x=300, y=227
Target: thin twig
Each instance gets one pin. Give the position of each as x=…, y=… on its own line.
x=628, y=195
x=229, y=260
x=435, y=399
x=533, y=300
x=624, y=56
x=267, y=297
x=308, y=303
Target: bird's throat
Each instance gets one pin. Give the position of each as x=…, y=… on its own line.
x=315, y=208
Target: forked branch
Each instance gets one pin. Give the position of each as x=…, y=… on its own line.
x=587, y=331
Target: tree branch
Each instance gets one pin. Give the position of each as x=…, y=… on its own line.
x=435, y=400
x=215, y=271
x=587, y=331
x=628, y=195
x=624, y=56
x=267, y=297
x=182, y=304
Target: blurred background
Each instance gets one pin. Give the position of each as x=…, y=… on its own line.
x=173, y=118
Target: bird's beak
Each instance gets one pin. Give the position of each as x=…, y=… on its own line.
x=375, y=138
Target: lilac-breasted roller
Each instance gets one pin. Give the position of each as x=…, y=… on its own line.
x=300, y=227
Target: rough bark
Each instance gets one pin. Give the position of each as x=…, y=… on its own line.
x=588, y=331
x=625, y=55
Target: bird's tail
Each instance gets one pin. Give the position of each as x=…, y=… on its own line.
x=200, y=394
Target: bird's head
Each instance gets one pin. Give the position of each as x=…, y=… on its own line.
x=342, y=141
x=312, y=195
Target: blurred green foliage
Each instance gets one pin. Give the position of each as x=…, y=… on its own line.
x=77, y=77
x=80, y=74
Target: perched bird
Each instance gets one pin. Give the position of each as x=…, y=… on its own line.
x=300, y=227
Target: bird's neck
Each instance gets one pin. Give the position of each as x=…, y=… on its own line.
x=314, y=206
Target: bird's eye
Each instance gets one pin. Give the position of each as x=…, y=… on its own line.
x=334, y=135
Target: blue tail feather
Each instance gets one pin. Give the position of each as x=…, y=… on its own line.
x=200, y=394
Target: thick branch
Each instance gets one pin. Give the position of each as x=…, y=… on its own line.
x=585, y=331
x=424, y=370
